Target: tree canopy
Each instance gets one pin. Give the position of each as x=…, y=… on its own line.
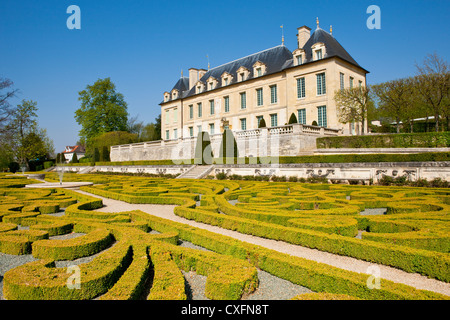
x=353, y=105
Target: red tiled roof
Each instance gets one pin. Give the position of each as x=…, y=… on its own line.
x=72, y=149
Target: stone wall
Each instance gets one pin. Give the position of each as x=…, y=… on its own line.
x=344, y=171
x=331, y=171
x=288, y=140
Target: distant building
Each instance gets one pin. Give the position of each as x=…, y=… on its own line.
x=71, y=150
x=271, y=84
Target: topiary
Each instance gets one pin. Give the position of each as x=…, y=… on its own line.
x=292, y=119
x=203, y=150
x=262, y=123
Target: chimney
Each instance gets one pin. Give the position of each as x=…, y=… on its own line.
x=303, y=34
x=193, y=77
x=201, y=73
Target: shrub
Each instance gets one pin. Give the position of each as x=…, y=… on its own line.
x=203, y=150
x=292, y=119
x=221, y=176
x=400, y=140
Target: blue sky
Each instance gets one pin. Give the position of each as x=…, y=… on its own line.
x=143, y=45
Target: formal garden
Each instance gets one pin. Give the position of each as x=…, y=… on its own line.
x=63, y=248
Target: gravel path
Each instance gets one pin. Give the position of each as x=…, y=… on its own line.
x=389, y=273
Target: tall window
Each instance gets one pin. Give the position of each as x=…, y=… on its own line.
x=299, y=60
x=258, y=119
x=243, y=124
x=259, y=72
x=175, y=133
x=211, y=128
x=227, y=103
x=191, y=111
x=360, y=83
x=199, y=128
x=211, y=106
x=302, y=116
x=175, y=115
x=274, y=120
x=167, y=134
x=167, y=117
x=273, y=94
x=301, y=88
x=321, y=86
x=341, y=80
x=243, y=100
x=322, y=116
x=191, y=131
x=259, y=97
x=351, y=82
x=199, y=111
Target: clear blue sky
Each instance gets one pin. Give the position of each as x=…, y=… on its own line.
x=144, y=45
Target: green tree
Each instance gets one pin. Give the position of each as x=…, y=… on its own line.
x=28, y=141
x=96, y=156
x=109, y=139
x=353, y=104
x=394, y=99
x=74, y=158
x=105, y=154
x=102, y=110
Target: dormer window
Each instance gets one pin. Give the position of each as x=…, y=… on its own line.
x=226, y=78
x=318, y=51
x=199, y=87
x=166, y=96
x=242, y=73
x=212, y=82
x=174, y=94
x=319, y=54
x=259, y=69
x=299, y=57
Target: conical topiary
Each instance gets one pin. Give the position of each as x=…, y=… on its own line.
x=203, y=150
x=292, y=119
x=228, y=152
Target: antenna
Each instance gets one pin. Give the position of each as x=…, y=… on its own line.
x=282, y=35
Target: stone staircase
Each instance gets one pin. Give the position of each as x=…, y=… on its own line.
x=85, y=170
x=196, y=172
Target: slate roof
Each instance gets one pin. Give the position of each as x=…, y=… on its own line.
x=276, y=59
x=333, y=47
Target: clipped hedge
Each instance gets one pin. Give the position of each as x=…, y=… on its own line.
x=40, y=280
x=399, y=140
x=313, y=275
x=75, y=248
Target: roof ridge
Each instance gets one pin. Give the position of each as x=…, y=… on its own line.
x=246, y=56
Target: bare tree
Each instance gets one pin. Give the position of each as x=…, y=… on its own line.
x=433, y=82
x=353, y=104
x=394, y=99
x=6, y=93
